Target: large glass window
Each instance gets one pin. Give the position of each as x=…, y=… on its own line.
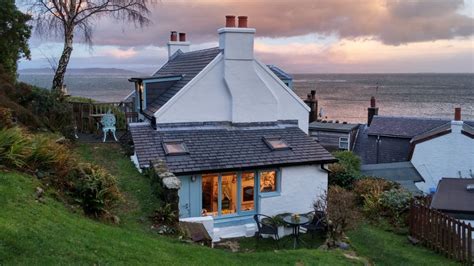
x=268, y=181
x=248, y=191
x=229, y=194
x=210, y=192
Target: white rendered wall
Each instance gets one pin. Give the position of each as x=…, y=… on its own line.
x=237, y=91
x=300, y=187
x=443, y=156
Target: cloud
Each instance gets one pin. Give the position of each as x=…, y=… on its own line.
x=390, y=22
x=119, y=53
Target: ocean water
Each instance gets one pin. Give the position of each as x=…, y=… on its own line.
x=343, y=97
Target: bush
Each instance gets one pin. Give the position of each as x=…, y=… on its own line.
x=341, y=213
x=346, y=170
x=14, y=148
x=6, y=118
x=396, y=204
x=369, y=192
x=94, y=189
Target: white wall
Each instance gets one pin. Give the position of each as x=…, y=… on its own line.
x=237, y=91
x=443, y=156
x=300, y=187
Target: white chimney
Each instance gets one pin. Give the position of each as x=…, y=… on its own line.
x=176, y=44
x=237, y=42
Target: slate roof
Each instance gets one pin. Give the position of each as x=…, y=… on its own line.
x=279, y=72
x=403, y=127
x=403, y=173
x=332, y=126
x=226, y=147
x=187, y=64
x=452, y=195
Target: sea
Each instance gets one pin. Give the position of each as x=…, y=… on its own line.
x=343, y=97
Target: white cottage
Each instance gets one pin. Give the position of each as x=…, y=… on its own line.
x=445, y=151
x=232, y=131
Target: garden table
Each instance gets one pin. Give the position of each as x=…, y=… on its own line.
x=295, y=223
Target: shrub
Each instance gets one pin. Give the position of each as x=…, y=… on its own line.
x=165, y=219
x=396, y=203
x=341, y=213
x=6, y=118
x=368, y=192
x=94, y=189
x=14, y=148
x=346, y=170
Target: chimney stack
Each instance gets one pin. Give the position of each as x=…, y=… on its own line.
x=372, y=111
x=237, y=43
x=457, y=114
x=313, y=105
x=174, y=44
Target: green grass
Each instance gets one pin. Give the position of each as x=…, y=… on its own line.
x=387, y=248
x=49, y=233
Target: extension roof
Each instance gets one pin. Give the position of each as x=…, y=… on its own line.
x=225, y=146
x=338, y=127
x=452, y=196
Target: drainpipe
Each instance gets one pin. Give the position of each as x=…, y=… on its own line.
x=377, y=149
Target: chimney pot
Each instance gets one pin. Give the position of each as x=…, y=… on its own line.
x=174, y=36
x=313, y=94
x=230, y=21
x=243, y=21
x=372, y=102
x=457, y=114
x=182, y=37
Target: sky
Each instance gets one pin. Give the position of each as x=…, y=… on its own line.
x=327, y=36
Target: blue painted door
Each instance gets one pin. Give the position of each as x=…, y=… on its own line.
x=184, y=197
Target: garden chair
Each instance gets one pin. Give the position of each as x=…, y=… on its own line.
x=266, y=226
x=317, y=223
x=108, y=124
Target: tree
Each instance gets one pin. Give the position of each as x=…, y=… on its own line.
x=66, y=17
x=14, y=35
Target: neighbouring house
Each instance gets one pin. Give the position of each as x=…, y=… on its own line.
x=447, y=150
x=387, y=139
x=334, y=136
x=233, y=133
x=403, y=173
x=455, y=197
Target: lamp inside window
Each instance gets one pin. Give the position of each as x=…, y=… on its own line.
x=175, y=147
x=276, y=143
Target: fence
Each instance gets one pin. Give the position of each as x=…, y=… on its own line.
x=441, y=233
x=88, y=115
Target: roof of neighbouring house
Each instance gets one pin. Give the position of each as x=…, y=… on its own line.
x=332, y=126
x=280, y=73
x=452, y=195
x=403, y=173
x=188, y=65
x=217, y=146
x=403, y=127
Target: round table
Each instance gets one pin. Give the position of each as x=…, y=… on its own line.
x=295, y=224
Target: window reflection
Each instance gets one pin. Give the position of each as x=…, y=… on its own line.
x=248, y=190
x=268, y=181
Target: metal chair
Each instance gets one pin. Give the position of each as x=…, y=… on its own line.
x=317, y=222
x=108, y=124
x=267, y=226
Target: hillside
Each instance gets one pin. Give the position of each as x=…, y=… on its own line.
x=48, y=233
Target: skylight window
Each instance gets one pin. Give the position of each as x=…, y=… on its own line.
x=276, y=143
x=175, y=147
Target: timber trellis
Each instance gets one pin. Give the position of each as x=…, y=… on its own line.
x=441, y=233
x=87, y=115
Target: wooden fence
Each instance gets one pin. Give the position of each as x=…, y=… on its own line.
x=88, y=115
x=441, y=233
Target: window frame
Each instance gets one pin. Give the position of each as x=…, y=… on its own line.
x=269, y=194
x=346, y=141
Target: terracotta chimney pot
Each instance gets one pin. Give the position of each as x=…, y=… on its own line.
x=457, y=114
x=372, y=102
x=230, y=21
x=182, y=37
x=174, y=36
x=243, y=21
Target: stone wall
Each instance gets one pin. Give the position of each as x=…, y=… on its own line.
x=165, y=184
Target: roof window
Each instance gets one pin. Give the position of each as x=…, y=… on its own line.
x=175, y=147
x=276, y=143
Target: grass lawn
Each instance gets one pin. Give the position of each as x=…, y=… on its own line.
x=48, y=233
x=388, y=248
